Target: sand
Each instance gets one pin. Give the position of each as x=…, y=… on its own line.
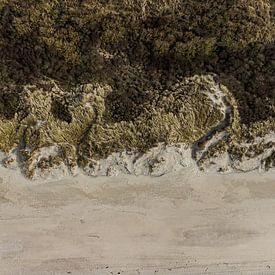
x=179, y=223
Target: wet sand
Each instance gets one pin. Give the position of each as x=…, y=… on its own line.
x=175, y=224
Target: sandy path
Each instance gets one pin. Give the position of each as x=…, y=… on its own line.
x=138, y=225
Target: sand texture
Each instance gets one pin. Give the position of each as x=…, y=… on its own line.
x=177, y=224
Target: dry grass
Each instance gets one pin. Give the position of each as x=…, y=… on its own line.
x=136, y=47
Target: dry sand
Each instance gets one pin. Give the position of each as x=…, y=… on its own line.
x=175, y=224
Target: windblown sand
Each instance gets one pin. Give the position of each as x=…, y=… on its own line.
x=180, y=223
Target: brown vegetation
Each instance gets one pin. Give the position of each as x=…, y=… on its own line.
x=139, y=50
x=80, y=41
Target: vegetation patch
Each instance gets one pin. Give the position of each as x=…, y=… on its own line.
x=105, y=76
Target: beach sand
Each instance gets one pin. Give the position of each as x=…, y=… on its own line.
x=175, y=224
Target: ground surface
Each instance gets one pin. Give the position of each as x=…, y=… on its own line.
x=138, y=225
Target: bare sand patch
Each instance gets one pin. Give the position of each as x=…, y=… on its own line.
x=138, y=225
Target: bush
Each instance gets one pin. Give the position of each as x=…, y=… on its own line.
x=79, y=41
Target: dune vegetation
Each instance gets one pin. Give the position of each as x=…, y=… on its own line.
x=132, y=54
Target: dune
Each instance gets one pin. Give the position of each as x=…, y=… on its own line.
x=137, y=137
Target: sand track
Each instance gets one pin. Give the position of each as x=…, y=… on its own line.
x=217, y=133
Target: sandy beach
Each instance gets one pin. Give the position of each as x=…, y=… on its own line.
x=175, y=224
x=137, y=137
